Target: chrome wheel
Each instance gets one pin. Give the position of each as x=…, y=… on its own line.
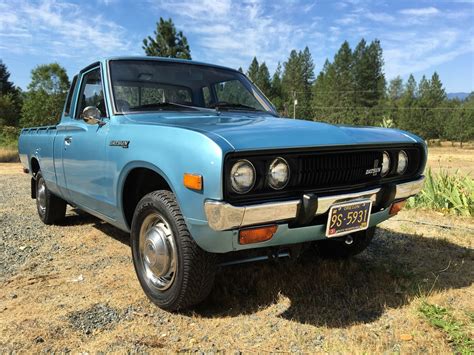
x=41, y=195
x=158, y=252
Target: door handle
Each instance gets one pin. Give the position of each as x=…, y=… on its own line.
x=68, y=140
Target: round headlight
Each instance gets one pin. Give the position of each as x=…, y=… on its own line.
x=278, y=174
x=402, y=162
x=242, y=176
x=385, y=164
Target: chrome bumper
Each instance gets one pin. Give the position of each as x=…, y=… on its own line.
x=224, y=216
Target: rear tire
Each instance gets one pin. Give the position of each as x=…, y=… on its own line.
x=51, y=208
x=338, y=249
x=173, y=270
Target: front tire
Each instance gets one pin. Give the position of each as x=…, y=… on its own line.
x=173, y=270
x=337, y=248
x=51, y=208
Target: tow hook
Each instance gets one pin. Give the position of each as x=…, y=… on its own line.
x=349, y=240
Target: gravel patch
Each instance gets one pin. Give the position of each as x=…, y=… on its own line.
x=98, y=317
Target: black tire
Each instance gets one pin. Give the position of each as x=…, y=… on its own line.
x=338, y=249
x=51, y=208
x=193, y=278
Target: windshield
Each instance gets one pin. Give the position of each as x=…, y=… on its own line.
x=148, y=85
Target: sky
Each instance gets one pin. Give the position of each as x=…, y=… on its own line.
x=417, y=37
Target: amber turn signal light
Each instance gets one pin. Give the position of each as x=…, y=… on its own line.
x=397, y=207
x=257, y=235
x=192, y=181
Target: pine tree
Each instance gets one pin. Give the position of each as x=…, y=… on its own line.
x=167, y=42
x=263, y=79
x=394, y=94
x=308, y=79
x=10, y=99
x=276, y=94
x=369, y=81
x=342, y=85
x=252, y=71
x=408, y=104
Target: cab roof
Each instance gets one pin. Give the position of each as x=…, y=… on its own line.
x=158, y=59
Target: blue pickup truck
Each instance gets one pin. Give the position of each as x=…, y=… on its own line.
x=194, y=162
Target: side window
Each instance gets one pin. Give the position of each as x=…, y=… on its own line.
x=91, y=93
x=67, y=107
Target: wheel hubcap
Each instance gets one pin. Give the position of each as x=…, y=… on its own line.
x=158, y=252
x=41, y=195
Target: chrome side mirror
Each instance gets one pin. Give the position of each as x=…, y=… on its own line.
x=91, y=115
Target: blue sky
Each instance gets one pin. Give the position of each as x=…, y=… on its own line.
x=417, y=37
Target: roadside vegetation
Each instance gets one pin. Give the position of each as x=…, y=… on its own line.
x=8, y=144
x=448, y=193
x=456, y=332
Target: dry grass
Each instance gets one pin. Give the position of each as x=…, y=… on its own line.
x=9, y=155
x=369, y=304
x=451, y=159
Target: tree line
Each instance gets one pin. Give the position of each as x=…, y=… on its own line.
x=349, y=89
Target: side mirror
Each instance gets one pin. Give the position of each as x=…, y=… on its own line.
x=91, y=115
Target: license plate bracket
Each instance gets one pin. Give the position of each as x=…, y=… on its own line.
x=348, y=217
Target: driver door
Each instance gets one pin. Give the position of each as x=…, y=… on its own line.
x=84, y=151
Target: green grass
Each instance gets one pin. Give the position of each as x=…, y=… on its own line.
x=446, y=193
x=441, y=318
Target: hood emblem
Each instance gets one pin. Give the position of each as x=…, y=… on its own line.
x=375, y=170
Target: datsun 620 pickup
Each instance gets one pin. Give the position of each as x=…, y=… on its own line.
x=194, y=162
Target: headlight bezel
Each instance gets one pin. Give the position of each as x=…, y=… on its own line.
x=275, y=161
x=407, y=162
x=231, y=174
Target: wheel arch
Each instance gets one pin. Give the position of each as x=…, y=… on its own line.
x=137, y=179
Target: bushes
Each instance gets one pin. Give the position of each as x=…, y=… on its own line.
x=9, y=144
x=446, y=193
x=9, y=137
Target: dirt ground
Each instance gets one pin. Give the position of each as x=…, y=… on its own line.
x=73, y=288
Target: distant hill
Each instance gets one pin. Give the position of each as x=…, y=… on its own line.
x=458, y=95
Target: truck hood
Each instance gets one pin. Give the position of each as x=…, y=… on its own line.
x=256, y=132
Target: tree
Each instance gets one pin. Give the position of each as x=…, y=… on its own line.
x=10, y=99
x=6, y=86
x=44, y=101
x=276, y=89
x=167, y=42
x=369, y=81
x=8, y=110
x=50, y=78
x=341, y=85
x=394, y=94
x=408, y=105
x=297, y=80
x=252, y=71
x=263, y=79
x=459, y=120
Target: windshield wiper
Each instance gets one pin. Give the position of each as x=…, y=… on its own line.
x=238, y=107
x=228, y=105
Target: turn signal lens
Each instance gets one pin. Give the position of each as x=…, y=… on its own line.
x=192, y=181
x=257, y=235
x=397, y=207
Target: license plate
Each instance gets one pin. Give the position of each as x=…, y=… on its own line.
x=349, y=217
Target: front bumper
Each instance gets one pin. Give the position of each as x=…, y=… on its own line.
x=223, y=216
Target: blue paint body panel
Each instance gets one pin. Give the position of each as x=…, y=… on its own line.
x=90, y=173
